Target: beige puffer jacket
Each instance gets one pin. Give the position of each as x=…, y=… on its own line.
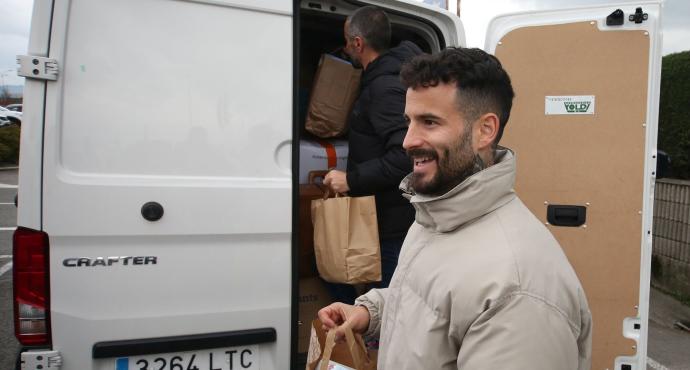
x=480, y=284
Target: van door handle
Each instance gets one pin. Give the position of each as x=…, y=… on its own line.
x=566, y=215
x=152, y=211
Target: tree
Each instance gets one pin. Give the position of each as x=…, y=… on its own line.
x=5, y=95
x=9, y=144
x=674, y=112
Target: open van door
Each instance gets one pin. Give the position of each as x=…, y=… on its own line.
x=167, y=183
x=583, y=127
x=447, y=26
x=318, y=31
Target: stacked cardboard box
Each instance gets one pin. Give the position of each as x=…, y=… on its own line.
x=312, y=297
x=321, y=155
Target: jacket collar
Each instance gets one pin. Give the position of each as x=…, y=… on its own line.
x=390, y=62
x=479, y=194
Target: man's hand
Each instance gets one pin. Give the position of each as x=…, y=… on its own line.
x=337, y=181
x=336, y=314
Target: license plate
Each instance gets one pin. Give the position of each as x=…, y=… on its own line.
x=234, y=358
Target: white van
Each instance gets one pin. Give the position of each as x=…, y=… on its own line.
x=158, y=176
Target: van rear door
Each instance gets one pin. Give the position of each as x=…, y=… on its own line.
x=167, y=183
x=583, y=126
x=447, y=26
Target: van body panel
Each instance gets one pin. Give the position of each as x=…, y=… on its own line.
x=187, y=104
x=601, y=158
x=31, y=155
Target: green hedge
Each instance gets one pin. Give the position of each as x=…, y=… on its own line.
x=9, y=144
x=674, y=112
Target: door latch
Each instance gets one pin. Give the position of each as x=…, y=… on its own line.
x=638, y=17
x=44, y=360
x=40, y=68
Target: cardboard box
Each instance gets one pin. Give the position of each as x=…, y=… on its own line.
x=321, y=155
x=313, y=296
x=336, y=87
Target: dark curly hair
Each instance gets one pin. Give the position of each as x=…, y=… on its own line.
x=482, y=83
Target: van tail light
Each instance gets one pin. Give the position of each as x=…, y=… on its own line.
x=31, y=287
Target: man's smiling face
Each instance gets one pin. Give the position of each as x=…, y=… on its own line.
x=438, y=140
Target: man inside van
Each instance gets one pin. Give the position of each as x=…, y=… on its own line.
x=376, y=161
x=481, y=283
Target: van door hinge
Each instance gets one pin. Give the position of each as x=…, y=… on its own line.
x=43, y=360
x=40, y=68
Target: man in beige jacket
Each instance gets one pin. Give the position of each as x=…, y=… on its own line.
x=480, y=283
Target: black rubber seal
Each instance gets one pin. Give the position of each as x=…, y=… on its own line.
x=137, y=347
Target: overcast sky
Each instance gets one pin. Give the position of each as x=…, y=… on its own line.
x=16, y=19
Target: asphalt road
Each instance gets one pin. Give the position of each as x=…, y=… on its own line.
x=8, y=219
x=668, y=346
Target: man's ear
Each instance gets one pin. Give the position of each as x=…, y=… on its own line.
x=358, y=43
x=485, y=131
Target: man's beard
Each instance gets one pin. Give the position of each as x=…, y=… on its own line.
x=353, y=59
x=457, y=164
x=355, y=62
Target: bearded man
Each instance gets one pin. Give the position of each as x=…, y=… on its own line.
x=480, y=283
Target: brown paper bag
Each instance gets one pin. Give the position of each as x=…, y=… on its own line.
x=324, y=351
x=308, y=192
x=336, y=87
x=346, y=239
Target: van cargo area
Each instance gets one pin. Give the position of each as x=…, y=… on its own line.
x=321, y=32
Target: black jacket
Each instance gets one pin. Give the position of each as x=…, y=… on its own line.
x=376, y=161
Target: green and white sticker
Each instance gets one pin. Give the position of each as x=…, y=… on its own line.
x=569, y=104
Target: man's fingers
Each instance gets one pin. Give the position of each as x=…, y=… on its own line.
x=337, y=315
x=329, y=316
x=326, y=181
x=325, y=319
x=327, y=322
x=339, y=335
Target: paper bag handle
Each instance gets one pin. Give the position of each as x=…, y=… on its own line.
x=327, y=193
x=354, y=344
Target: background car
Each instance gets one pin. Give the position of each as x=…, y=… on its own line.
x=11, y=116
x=15, y=107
